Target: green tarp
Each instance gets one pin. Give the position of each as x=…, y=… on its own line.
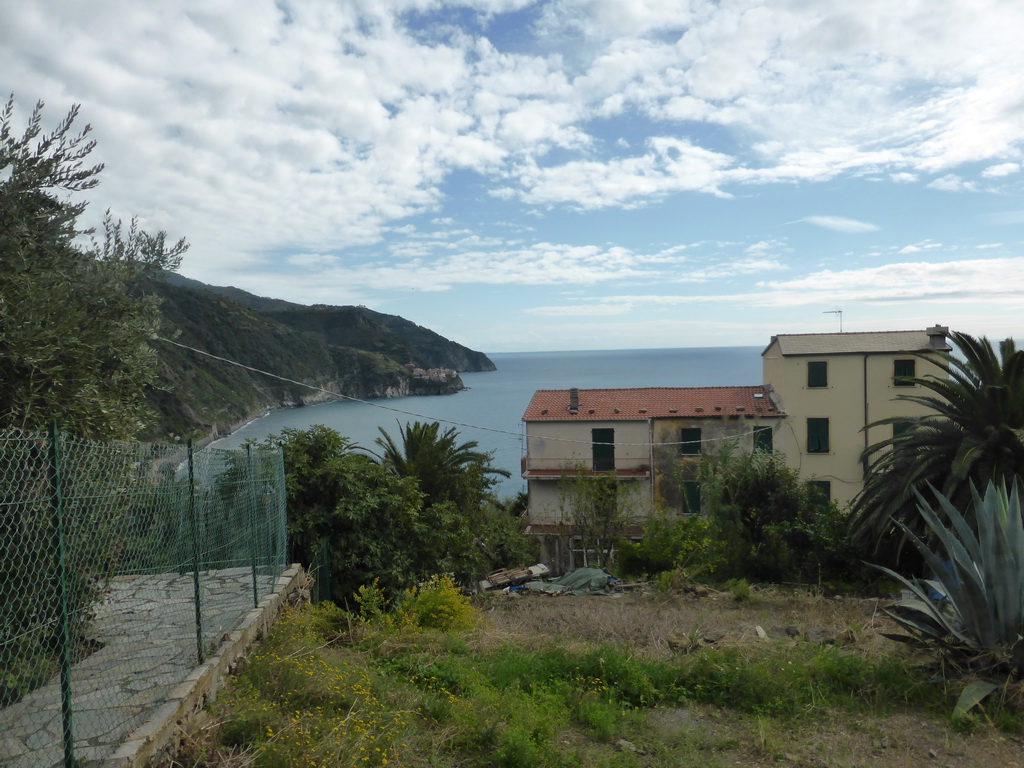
x=583, y=581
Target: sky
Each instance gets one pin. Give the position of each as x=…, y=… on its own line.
x=524, y=175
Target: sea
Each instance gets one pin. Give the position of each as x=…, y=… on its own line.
x=490, y=410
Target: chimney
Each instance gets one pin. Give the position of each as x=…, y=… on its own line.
x=937, y=336
x=574, y=401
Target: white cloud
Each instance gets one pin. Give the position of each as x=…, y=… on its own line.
x=235, y=107
x=1000, y=170
x=315, y=260
x=762, y=247
x=998, y=281
x=368, y=150
x=670, y=165
x=432, y=266
x=580, y=310
x=841, y=224
x=952, y=183
x=923, y=245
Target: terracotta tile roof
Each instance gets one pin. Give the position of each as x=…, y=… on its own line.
x=651, y=403
x=853, y=342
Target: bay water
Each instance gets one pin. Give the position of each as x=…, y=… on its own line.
x=491, y=409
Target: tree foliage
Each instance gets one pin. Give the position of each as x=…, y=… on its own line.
x=973, y=433
x=452, y=473
x=74, y=340
x=685, y=546
x=445, y=469
x=375, y=522
x=600, y=508
x=775, y=526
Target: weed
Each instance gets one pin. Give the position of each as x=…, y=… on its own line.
x=739, y=589
x=371, y=601
x=436, y=604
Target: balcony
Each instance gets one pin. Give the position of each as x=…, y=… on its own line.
x=553, y=469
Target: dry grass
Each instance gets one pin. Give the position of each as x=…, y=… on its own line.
x=645, y=622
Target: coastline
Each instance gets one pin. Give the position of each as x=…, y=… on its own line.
x=450, y=385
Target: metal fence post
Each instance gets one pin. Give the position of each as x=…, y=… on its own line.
x=250, y=497
x=64, y=619
x=193, y=515
x=281, y=516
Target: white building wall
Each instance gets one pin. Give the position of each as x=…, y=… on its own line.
x=557, y=446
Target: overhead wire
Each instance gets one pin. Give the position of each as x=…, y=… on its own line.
x=465, y=425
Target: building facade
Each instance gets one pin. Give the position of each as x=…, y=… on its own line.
x=833, y=385
x=651, y=438
x=819, y=394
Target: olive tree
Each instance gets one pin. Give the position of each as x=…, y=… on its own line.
x=74, y=331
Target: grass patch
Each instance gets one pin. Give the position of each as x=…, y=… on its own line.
x=330, y=689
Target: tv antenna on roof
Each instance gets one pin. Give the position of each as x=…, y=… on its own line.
x=836, y=312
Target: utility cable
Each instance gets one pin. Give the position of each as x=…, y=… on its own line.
x=392, y=409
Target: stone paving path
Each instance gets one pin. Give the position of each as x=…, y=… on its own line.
x=147, y=627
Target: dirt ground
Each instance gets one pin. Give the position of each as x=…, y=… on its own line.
x=651, y=624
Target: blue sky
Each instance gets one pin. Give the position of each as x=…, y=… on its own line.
x=568, y=174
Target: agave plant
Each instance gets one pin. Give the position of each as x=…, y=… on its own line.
x=974, y=605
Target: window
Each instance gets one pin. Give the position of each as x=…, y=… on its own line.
x=603, y=449
x=903, y=370
x=901, y=427
x=689, y=441
x=763, y=440
x=817, y=436
x=817, y=374
x=580, y=556
x=823, y=490
x=691, y=497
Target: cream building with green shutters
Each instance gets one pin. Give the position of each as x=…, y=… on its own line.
x=832, y=385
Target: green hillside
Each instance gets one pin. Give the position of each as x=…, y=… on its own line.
x=347, y=350
x=347, y=326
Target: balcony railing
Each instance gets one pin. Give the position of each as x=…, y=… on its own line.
x=534, y=468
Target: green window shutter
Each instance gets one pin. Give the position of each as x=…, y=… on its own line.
x=763, y=440
x=689, y=441
x=691, y=497
x=903, y=370
x=817, y=374
x=817, y=436
x=901, y=427
x=603, y=449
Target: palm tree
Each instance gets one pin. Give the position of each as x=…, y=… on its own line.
x=445, y=469
x=974, y=434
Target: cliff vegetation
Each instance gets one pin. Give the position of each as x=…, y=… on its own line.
x=349, y=351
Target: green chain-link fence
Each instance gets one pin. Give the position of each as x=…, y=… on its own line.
x=122, y=566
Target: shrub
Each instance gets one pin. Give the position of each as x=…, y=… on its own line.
x=773, y=526
x=679, y=543
x=739, y=589
x=436, y=604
